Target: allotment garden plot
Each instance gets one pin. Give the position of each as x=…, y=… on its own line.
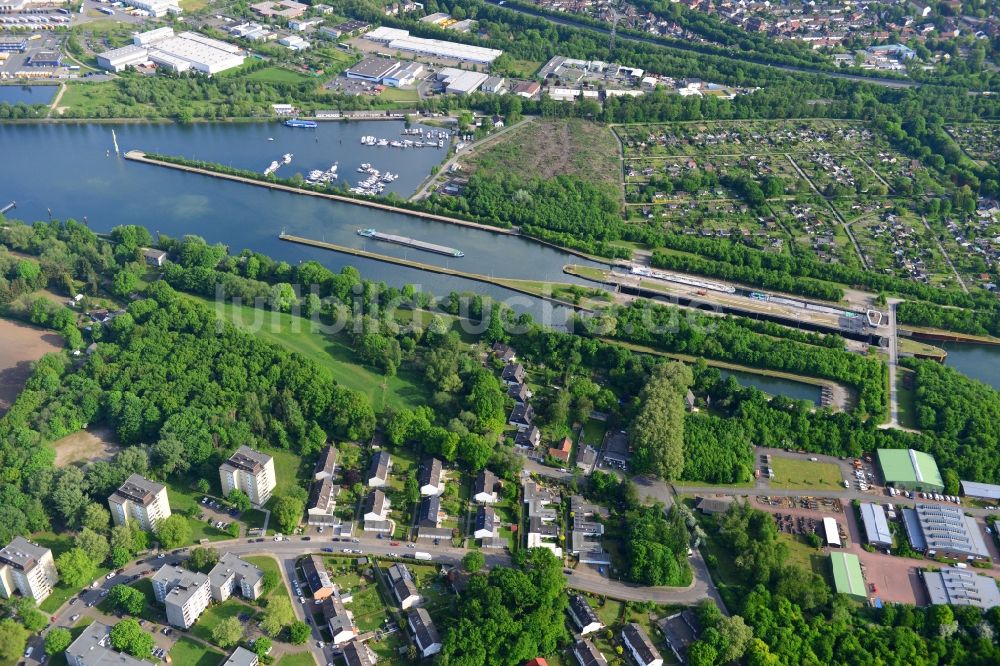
x=980, y=141
x=834, y=191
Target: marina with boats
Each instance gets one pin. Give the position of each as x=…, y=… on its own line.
x=375, y=182
x=275, y=165
x=432, y=138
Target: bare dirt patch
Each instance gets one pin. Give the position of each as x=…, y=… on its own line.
x=20, y=346
x=87, y=445
x=553, y=147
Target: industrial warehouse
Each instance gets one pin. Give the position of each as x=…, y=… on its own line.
x=909, y=469
x=180, y=53
x=961, y=587
x=944, y=531
x=400, y=40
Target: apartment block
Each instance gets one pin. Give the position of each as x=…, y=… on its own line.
x=93, y=648
x=27, y=568
x=250, y=471
x=183, y=593
x=232, y=575
x=141, y=500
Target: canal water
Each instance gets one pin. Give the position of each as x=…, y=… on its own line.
x=65, y=170
x=27, y=94
x=775, y=385
x=978, y=361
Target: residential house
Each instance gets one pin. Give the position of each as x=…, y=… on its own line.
x=242, y=657
x=357, y=653
x=375, y=510
x=403, y=588
x=487, y=523
x=513, y=373
x=521, y=417
x=529, y=438
x=429, y=512
x=586, y=458
x=587, y=655
x=561, y=452
x=318, y=578
x=431, y=478
x=378, y=470
x=339, y=620
x=501, y=351
x=484, y=490
x=583, y=615
x=154, y=258
x=424, y=632
x=519, y=392
x=326, y=466
x=323, y=503
x=637, y=643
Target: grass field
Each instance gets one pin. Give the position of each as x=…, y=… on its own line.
x=87, y=96
x=803, y=555
x=277, y=75
x=268, y=564
x=296, y=335
x=551, y=147
x=297, y=659
x=191, y=653
x=214, y=616
x=906, y=399
x=805, y=474
x=287, y=467
x=400, y=95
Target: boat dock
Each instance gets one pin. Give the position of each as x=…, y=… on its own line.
x=139, y=156
x=10, y=206
x=411, y=242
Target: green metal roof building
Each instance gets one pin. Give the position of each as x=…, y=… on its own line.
x=847, y=577
x=909, y=469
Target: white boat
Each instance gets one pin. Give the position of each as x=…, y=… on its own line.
x=286, y=158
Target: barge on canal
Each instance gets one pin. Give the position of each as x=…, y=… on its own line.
x=411, y=242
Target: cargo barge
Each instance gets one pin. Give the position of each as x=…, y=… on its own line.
x=411, y=242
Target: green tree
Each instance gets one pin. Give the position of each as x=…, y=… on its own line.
x=127, y=599
x=287, y=512
x=94, y=544
x=227, y=633
x=277, y=615
x=239, y=499
x=57, y=640
x=298, y=632
x=75, y=567
x=657, y=433
x=202, y=558
x=701, y=653
x=13, y=638
x=173, y=531
x=127, y=636
x=96, y=517
x=262, y=646
x=473, y=561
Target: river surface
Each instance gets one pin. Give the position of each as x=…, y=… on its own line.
x=66, y=169
x=775, y=385
x=27, y=94
x=980, y=362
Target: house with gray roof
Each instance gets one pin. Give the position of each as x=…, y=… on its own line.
x=424, y=632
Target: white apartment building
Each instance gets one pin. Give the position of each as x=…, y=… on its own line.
x=141, y=500
x=27, y=568
x=183, y=593
x=233, y=574
x=250, y=471
x=93, y=648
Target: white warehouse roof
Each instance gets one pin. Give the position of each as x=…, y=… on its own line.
x=981, y=490
x=876, y=525
x=151, y=36
x=832, y=533
x=402, y=41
